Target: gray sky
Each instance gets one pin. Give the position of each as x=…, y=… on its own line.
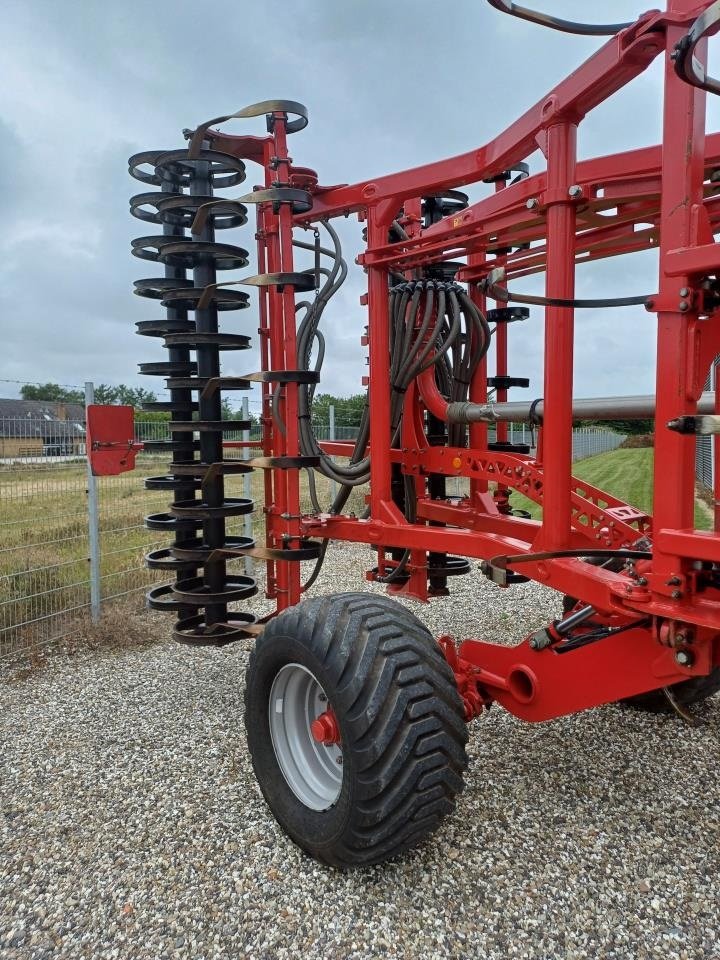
x=388, y=85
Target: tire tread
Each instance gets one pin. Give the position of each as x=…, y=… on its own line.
x=403, y=717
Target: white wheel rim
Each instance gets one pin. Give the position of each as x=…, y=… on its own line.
x=312, y=770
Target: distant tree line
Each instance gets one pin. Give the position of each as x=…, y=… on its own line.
x=629, y=427
x=121, y=394
x=348, y=410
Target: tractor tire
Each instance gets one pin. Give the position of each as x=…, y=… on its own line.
x=399, y=763
x=687, y=692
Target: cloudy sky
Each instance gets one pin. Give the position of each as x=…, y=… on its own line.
x=388, y=85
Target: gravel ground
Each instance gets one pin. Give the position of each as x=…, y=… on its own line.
x=132, y=826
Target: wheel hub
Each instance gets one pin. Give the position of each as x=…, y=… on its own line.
x=305, y=737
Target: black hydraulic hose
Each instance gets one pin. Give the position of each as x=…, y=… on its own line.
x=555, y=23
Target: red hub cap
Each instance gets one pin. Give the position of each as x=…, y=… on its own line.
x=325, y=728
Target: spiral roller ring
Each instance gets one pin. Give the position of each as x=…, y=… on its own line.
x=186, y=208
x=199, y=508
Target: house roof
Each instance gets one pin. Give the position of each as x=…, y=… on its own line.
x=41, y=418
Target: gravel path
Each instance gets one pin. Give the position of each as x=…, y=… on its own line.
x=132, y=826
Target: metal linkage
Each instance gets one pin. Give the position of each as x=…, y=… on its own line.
x=200, y=507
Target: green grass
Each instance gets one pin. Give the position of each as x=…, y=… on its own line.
x=627, y=475
x=44, y=549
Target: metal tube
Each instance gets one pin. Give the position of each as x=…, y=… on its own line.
x=93, y=521
x=477, y=434
x=331, y=436
x=680, y=338
x=715, y=459
x=378, y=309
x=591, y=408
x=247, y=488
x=559, y=333
x=574, y=620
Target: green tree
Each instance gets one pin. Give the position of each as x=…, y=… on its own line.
x=133, y=396
x=51, y=392
x=104, y=394
x=348, y=410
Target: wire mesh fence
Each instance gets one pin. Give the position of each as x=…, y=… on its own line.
x=46, y=578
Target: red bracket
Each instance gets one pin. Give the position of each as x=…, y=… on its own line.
x=466, y=679
x=111, y=446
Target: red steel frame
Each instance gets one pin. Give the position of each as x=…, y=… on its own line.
x=652, y=197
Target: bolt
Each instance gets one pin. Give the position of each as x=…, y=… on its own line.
x=684, y=291
x=683, y=306
x=322, y=697
x=532, y=203
x=339, y=760
x=642, y=581
x=575, y=191
x=676, y=594
x=684, y=658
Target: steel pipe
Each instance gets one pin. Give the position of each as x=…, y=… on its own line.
x=592, y=408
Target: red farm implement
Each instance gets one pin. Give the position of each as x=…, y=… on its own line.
x=355, y=714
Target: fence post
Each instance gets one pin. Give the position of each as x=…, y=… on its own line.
x=93, y=518
x=247, y=486
x=331, y=436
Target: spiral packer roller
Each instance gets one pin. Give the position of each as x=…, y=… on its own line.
x=186, y=206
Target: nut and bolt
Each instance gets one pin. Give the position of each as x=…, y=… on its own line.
x=676, y=595
x=322, y=697
x=533, y=203
x=339, y=760
x=683, y=306
x=684, y=291
x=684, y=658
x=575, y=192
x=540, y=640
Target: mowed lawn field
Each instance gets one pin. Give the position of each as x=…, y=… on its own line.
x=628, y=475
